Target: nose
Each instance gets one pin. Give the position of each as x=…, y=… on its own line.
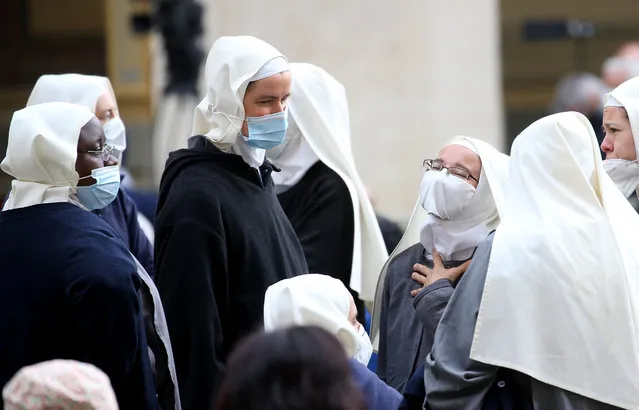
x=110, y=161
x=607, y=145
x=279, y=107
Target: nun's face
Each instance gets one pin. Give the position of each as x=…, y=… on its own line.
x=618, y=142
x=456, y=156
x=91, y=153
x=266, y=96
x=106, y=108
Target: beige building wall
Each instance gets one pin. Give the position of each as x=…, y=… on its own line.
x=416, y=72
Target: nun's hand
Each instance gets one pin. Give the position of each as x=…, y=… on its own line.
x=426, y=276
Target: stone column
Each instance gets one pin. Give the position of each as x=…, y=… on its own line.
x=416, y=73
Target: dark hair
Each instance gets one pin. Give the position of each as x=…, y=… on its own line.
x=300, y=368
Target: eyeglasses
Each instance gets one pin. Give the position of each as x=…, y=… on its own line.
x=436, y=165
x=106, y=152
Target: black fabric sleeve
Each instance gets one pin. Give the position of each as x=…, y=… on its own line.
x=325, y=228
x=192, y=278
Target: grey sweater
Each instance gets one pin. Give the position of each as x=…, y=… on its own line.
x=407, y=324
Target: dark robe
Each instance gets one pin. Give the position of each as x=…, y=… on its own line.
x=69, y=290
x=221, y=240
x=320, y=209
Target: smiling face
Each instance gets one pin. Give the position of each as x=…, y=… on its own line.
x=266, y=96
x=618, y=142
x=90, y=145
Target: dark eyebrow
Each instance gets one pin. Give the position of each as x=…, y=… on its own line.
x=271, y=97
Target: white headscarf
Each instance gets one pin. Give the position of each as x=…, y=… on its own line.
x=320, y=130
x=624, y=173
x=59, y=384
x=77, y=89
x=456, y=239
x=294, y=156
x=41, y=153
x=312, y=300
x=561, y=298
x=471, y=227
x=232, y=64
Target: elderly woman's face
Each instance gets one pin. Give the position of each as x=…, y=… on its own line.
x=266, y=96
x=457, y=156
x=106, y=108
x=618, y=142
x=91, y=154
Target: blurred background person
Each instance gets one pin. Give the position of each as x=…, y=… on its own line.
x=298, y=368
x=584, y=93
x=180, y=59
x=59, y=384
x=622, y=66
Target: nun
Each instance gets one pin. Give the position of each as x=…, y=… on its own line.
x=548, y=305
x=323, y=301
x=621, y=128
x=69, y=287
x=222, y=238
x=96, y=93
x=320, y=190
x=455, y=212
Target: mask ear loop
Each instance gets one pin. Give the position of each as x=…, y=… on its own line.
x=230, y=118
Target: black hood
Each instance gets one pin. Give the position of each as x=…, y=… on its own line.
x=201, y=150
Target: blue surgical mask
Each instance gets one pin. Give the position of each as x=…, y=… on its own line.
x=266, y=132
x=104, y=191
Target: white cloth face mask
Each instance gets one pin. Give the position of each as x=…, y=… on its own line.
x=365, y=351
x=115, y=134
x=443, y=195
x=624, y=173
